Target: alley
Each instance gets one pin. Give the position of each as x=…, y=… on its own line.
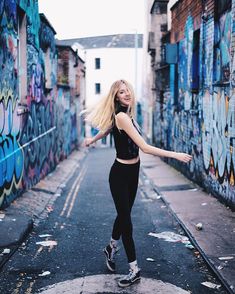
x=64, y=250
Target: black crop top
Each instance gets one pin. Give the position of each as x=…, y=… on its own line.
x=125, y=146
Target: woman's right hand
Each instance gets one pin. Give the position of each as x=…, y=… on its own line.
x=88, y=141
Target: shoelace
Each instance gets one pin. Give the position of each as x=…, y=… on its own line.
x=130, y=275
x=113, y=252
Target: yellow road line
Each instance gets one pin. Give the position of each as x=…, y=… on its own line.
x=75, y=193
x=18, y=286
x=30, y=288
x=38, y=251
x=70, y=193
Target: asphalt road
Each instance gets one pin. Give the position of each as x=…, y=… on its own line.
x=64, y=251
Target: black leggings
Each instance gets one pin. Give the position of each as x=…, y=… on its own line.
x=123, y=181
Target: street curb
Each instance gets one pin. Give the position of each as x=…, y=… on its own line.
x=196, y=245
x=193, y=241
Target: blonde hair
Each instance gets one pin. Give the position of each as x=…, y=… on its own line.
x=101, y=115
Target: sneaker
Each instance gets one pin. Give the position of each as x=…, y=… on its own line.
x=109, y=254
x=129, y=279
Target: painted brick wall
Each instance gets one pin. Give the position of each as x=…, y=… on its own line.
x=180, y=13
x=202, y=121
x=38, y=129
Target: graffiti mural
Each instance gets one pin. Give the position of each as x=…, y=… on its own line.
x=206, y=72
x=32, y=141
x=218, y=132
x=35, y=75
x=37, y=141
x=218, y=103
x=11, y=154
x=33, y=23
x=185, y=66
x=222, y=44
x=202, y=123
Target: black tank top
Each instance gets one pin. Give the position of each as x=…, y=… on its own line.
x=125, y=146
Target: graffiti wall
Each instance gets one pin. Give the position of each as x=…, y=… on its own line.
x=201, y=121
x=11, y=155
x=33, y=129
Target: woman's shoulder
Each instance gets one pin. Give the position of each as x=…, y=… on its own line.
x=121, y=114
x=122, y=117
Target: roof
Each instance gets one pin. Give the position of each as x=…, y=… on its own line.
x=64, y=46
x=46, y=21
x=158, y=1
x=109, y=41
x=174, y=5
x=69, y=47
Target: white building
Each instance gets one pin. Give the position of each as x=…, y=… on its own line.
x=109, y=58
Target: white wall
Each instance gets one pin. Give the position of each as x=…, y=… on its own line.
x=115, y=63
x=170, y=4
x=148, y=80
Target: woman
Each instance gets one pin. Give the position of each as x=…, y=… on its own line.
x=115, y=113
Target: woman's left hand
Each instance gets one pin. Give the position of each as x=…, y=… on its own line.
x=184, y=157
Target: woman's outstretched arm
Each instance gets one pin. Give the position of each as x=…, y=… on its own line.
x=124, y=122
x=98, y=136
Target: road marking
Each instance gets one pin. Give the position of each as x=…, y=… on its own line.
x=38, y=251
x=71, y=192
x=30, y=288
x=75, y=193
x=18, y=286
x=108, y=284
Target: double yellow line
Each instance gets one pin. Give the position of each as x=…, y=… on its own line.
x=71, y=197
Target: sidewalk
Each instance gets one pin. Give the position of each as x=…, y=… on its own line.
x=17, y=220
x=190, y=205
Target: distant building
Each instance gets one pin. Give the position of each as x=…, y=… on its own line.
x=71, y=87
x=155, y=70
x=109, y=58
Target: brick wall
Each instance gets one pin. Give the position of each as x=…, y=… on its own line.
x=201, y=120
x=38, y=121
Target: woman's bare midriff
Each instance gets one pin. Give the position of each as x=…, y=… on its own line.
x=129, y=161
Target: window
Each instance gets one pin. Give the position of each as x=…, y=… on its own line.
x=222, y=42
x=22, y=53
x=176, y=85
x=159, y=8
x=97, y=88
x=195, y=62
x=221, y=7
x=97, y=63
x=163, y=53
x=62, y=67
x=48, y=68
x=163, y=27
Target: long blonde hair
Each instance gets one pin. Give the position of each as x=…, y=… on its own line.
x=101, y=115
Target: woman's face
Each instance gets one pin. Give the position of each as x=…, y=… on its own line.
x=124, y=96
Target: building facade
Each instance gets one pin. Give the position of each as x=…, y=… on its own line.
x=36, y=129
x=199, y=113
x=109, y=58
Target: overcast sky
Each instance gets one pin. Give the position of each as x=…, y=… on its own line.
x=84, y=18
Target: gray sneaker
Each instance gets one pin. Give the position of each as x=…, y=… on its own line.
x=129, y=279
x=109, y=254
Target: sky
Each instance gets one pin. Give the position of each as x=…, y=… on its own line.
x=86, y=18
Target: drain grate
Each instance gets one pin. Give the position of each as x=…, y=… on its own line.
x=42, y=190
x=149, y=166
x=176, y=188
